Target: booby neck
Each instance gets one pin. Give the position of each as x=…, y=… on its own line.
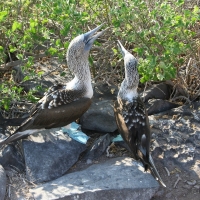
x=77, y=61
x=82, y=81
x=128, y=88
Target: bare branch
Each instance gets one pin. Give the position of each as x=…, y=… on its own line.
x=9, y=65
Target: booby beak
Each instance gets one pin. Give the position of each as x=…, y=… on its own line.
x=121, y=48
x=89, y=37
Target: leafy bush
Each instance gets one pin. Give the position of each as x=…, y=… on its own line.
x=160, y=33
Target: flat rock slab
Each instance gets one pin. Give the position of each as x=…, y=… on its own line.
x=3, y=182
x=49, y=154
x=118, y=178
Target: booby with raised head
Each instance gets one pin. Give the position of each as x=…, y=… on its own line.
x=131, y=115
x=63, y=104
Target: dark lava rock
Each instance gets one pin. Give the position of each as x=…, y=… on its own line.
x=118, y=178
x=159, y=105
x=3, y=182
x=158, y=91
x=99, y=117
x=49, y=154
x=98, y=148
x=10, y=157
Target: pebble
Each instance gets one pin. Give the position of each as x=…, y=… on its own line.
x=197, y=186
x=89, y=161
x=187, y=187
x=159, y=193
x=193, y=182
x=168, y=195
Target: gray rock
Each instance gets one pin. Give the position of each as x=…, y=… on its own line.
x=10, y=157
x=177, y=139
x=49, y=154
x=158, y=105
x=98, y=148
x=99, y=117
x=158, y=91
x=117, y=178
x=3, y=182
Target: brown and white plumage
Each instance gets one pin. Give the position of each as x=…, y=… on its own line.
x=131, y=115
x=63, y=104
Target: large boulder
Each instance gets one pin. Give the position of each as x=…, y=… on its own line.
x=49, y=154
x=118, y=178
x=99, y=117
x=158, y=91
x=155, y=106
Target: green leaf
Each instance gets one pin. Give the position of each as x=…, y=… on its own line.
x=6, y=106
x=138, y=50
x=40, y=73
x=142, y=80
x=162, y=65
x=62, y=73
x=115, y=51
x=58, y=42
x=26, y=78
x=12, y=48
x=66, y=44
x=16, y=25
x=33, y=23
x=91, y=60
x=52, y=50
x=3, y=14
x=160, y=76
x=196, y=9
x=1, y=48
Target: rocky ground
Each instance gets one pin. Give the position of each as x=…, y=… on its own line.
x=175, y=150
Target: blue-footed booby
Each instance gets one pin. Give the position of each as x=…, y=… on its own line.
x=63, y=104
x=131, y=115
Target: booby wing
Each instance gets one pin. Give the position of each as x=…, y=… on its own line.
x=133, y=124
x=69, y=106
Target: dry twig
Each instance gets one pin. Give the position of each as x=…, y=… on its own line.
x=168, y=173
x=178, y=179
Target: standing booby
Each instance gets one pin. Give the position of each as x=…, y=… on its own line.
x=63, y=104
x=131, y=115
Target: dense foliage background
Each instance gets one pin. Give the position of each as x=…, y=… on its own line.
x=163, y=35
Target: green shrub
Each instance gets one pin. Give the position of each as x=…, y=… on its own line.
x=159, y=33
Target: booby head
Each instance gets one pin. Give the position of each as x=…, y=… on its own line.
x=128, y=89
x=79, y=47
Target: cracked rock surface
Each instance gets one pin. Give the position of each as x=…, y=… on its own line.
x=117, y=178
